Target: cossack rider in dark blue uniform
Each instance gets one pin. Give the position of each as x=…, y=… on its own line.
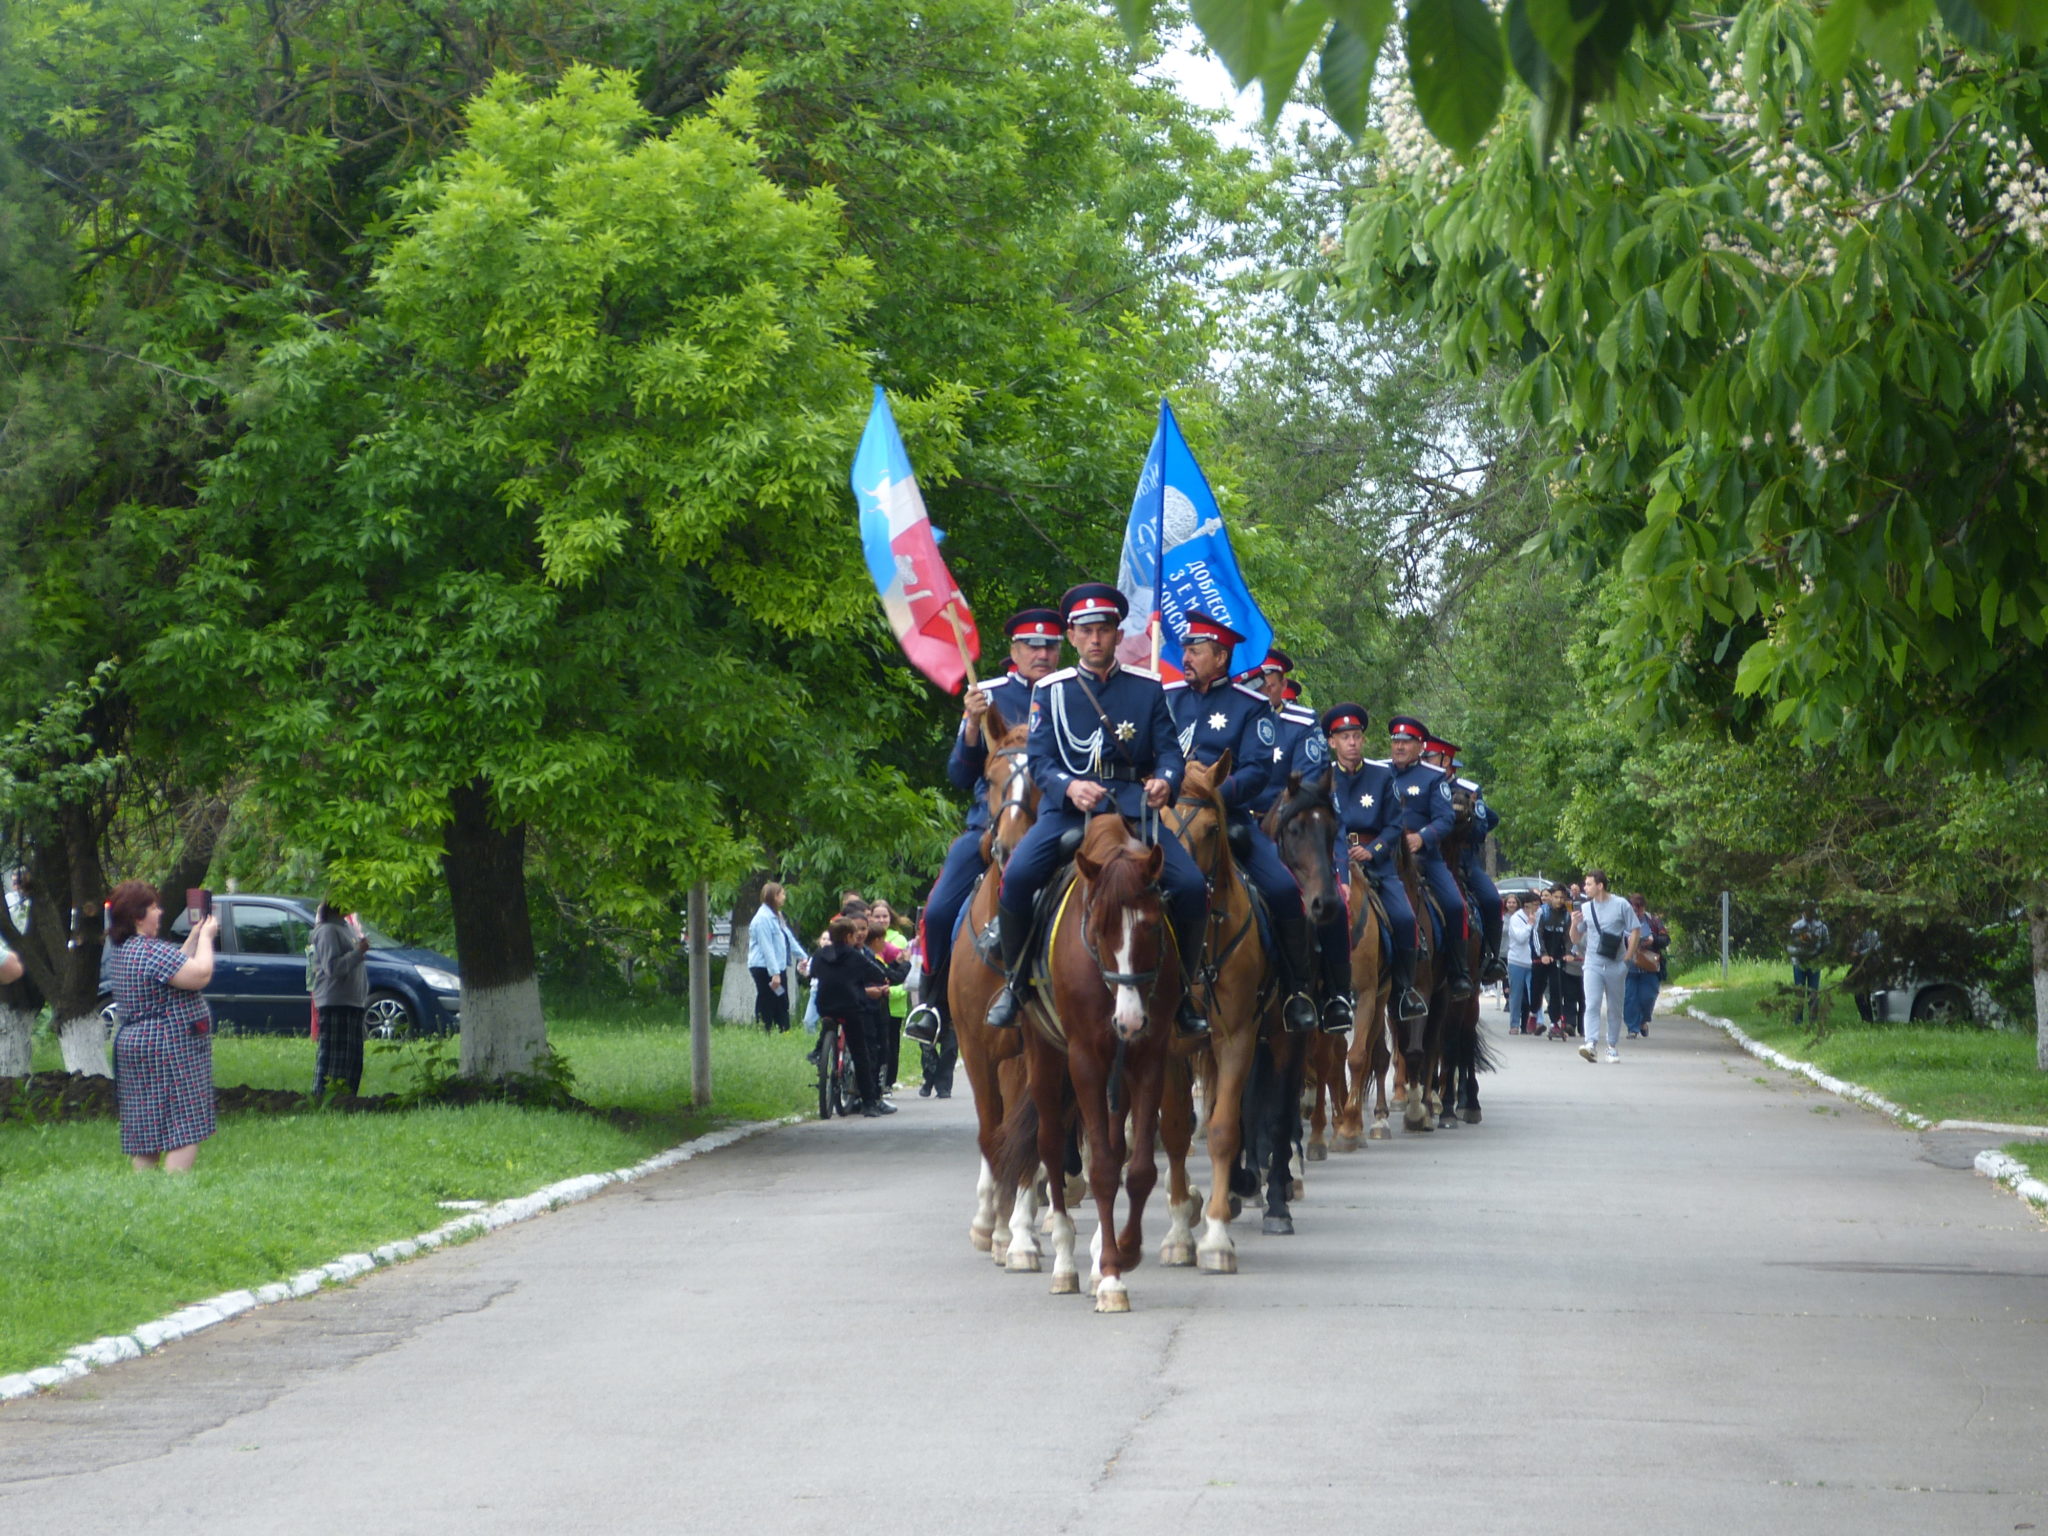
x=1422, y=801
x=1296, y=727
x=1101, y=738
x=1215, y=715
x=1366, y=816
x=1034, y=651
x=1443, y=756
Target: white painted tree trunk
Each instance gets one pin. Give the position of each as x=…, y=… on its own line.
x=736, y=992
x=16, y=1047
x=2037, y=925
x=84, y=1043
x=503, y=1030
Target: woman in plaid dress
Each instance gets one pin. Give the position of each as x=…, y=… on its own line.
x=163, y=1055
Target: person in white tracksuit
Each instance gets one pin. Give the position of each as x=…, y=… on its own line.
x=1610, y=930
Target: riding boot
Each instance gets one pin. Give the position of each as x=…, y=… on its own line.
x=1408, y=1003
x=1013, y=929
x=1492, y=969
x=1297, y=966
x=1452, y=953
x=1188, y=1019
x=1338, y=1005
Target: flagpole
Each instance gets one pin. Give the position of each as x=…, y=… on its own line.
x=960, y=639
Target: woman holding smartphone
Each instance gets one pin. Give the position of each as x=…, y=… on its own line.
x=341, y=993
x=163, y=1051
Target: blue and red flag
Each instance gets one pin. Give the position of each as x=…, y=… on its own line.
x=932, y=621
x=1177, y=561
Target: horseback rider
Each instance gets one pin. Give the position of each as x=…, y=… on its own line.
x=1294, y=724
x=1215, y=716
x=1034, y=649
x=1422, y=800
x=1443, y=756
x=1101, y=737
x=1364, y=792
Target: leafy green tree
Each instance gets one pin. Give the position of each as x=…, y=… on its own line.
x=521, y=530
x=1571, y=55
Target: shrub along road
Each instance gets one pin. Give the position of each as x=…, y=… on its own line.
x=1684, y=1293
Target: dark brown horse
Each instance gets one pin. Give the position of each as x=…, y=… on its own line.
x=1461, y=1046
x=994, y=1058
x=1097, y=1041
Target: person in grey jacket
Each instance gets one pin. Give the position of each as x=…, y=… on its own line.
x=341, y=991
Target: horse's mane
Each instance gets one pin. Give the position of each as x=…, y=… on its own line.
x=1109, y=845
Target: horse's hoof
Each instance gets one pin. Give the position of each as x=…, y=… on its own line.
x=1177, y=1255
x=1068, y=1284
x=1077, y=1191
x=1278, y=1226
x=1107, y=1300
x=999, y=1251
x=1236, y=1207
x=1023, y=1259
x=1347, y=1143
x=983, y=1238
x=1447, y=1122
x=1472, y=1115
x=1379, y=1132
x=1219, y=1261
x=1296, y=1189
x=1318, y=1153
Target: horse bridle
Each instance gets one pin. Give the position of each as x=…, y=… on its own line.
x=1012, y=799
x=1211, y=967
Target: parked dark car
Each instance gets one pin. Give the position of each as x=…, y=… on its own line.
x=259, y=976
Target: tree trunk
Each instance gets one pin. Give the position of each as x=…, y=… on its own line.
x=61, y=948
x=736, y=994
x=204, y=820
x=2037, y=926
x=503, y=1031
x=17, y=1024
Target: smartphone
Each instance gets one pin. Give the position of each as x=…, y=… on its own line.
x=198, y=905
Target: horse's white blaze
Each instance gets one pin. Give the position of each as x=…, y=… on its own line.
x=1129, y=1009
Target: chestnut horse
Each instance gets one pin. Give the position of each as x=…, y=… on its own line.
x=1238, y=994
x=1100, y=1027
x=994, y=1058
x=1345, y=1068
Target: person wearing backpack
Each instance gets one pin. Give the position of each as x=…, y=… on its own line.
x=1611, y=932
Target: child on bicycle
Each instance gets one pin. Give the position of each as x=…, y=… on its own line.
x=848, y=979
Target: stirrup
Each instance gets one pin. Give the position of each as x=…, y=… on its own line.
x=922, y=1025
x=1492, y=969
x=1004, y=1007
x=1187, y=1018
x=1413, y=1005
x=1298, y=1013
x=1338, y=1016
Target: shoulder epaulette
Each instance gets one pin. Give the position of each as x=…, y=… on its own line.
x=1298, y=715
x=1468, y=784
x=1178, y=682
x=1145, y=672
x=1055, y=677
x=1251, y=693
x=1380, y=762
x=991, y=684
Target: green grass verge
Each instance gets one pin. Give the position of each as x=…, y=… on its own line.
x=89, y=1247
x=2033, y=1153
x=1942, y=1072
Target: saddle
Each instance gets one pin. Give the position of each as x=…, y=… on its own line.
x=987, y=939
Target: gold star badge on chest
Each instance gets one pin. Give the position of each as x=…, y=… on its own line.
x=1218, y=720
x=1126, y=729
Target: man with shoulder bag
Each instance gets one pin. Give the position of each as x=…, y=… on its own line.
x=1612, y=934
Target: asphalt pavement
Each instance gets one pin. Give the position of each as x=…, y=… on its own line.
x=1683, y=1293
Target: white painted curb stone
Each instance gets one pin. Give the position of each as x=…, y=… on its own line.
x=2009, y=1171
x=205, y=1314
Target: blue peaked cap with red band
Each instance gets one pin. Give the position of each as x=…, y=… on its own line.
x=1093, y=601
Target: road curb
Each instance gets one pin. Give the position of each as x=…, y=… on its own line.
x=1997, y=1166
x=187, y=1321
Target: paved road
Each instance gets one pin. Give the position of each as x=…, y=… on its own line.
x=1685, y=1293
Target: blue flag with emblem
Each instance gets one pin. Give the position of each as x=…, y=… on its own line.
x=1177, y=559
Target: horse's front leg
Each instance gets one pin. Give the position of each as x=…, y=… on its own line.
x=1231, y=1061
x=1043, y=1069
x=1091, y=1094
x=1177, y=1134
x=1147, y=1081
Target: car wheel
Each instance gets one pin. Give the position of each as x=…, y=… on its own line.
x=1942, y=1004
x=109, y=1014
x=387, y=1015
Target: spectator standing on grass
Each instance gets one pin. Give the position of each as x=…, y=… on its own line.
x=772, y=948
x=1806, y=943
x=341, y=993
x=1610, y=931
x=1521, y=943
x=1639, y=997
x=163, y=1049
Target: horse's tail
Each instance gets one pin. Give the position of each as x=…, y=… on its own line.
x=1465, y=1048
x=1017, y=1146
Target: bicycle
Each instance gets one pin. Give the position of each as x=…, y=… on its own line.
x=838, y=1088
